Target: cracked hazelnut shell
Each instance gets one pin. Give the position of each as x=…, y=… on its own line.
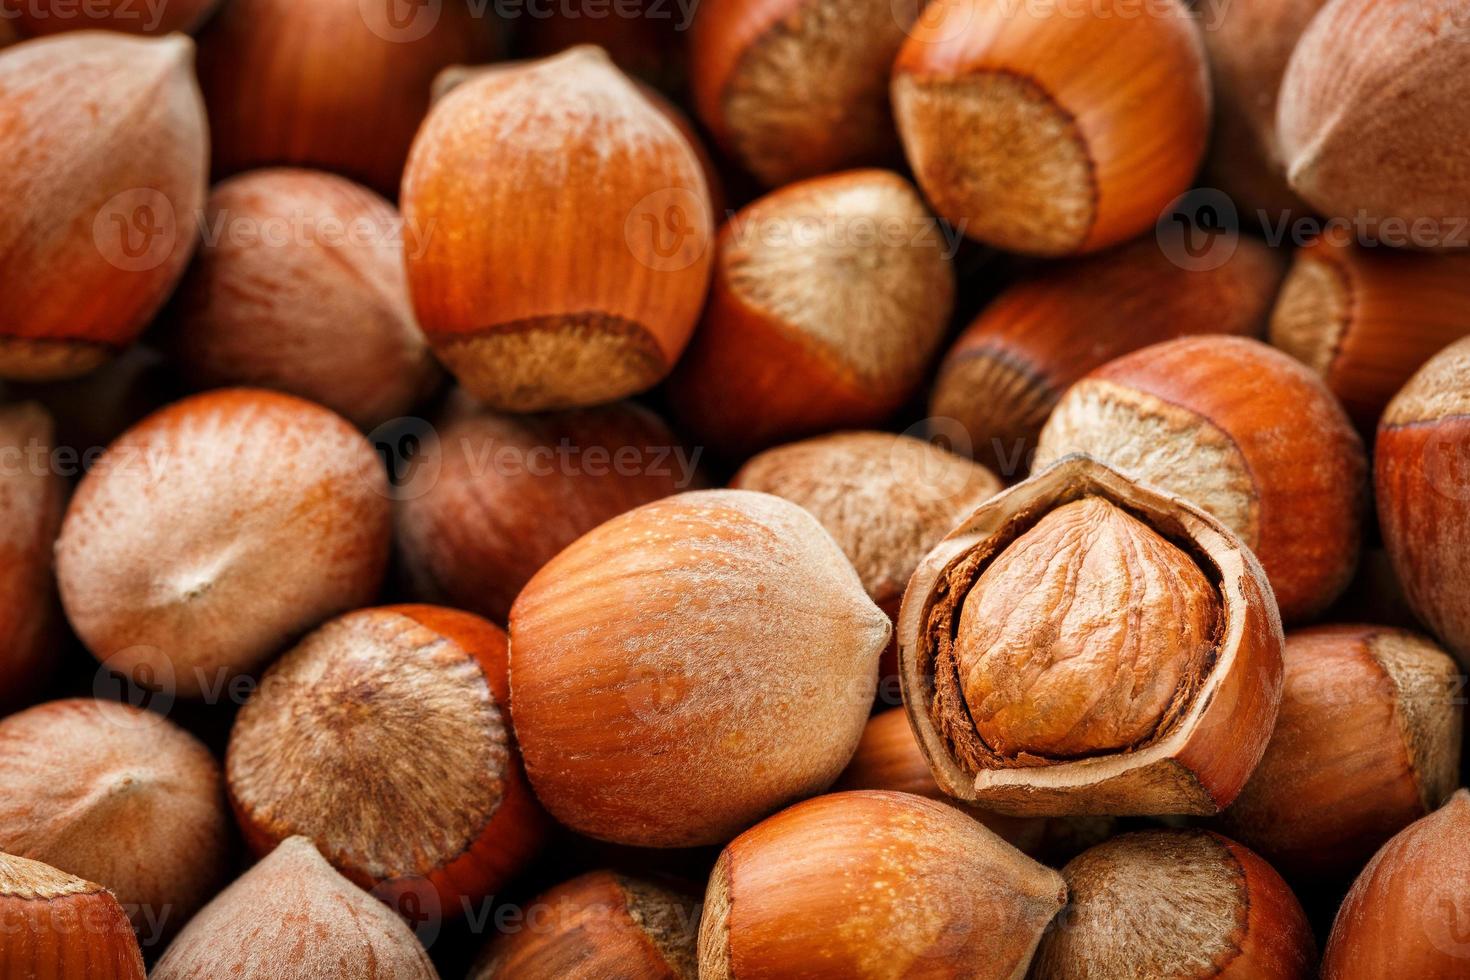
x=34, y=18
x=106, y=156
x=62, y=928
x=565, y=234
x=384, y=738
x=872, y=884
x=1123, y=656
x=690, y=667
x=1367, y=742
x=162, y=576
x=1053, y=130
x=32, y=495
x=1243, y=431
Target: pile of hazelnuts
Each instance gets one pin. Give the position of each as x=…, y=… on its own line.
x=734, y=490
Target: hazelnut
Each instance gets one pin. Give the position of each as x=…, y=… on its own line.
x=1366, y=319
x=1085, y=645
x=38, y=17
x=7, y=33
x=1243, y=431
x=645, y=38
x=598, y=926
x=1175, y=905
x=300, y=288
x=59, y=926
x=797, y=88
x=1405, y=915
x=513, y=491
x=383, y=737
x=118, y=795
x=869, y=885
x=1052, y=129
x=340, y=85
x=291, y=917
x=31, y=500
x=1367, y=742
x=1373, y=94
x=217, y=529
x=105, y=154
x=690, y=667
x=830, y=298
x=1422, y=478
x=1005, y=373
x=565, y=233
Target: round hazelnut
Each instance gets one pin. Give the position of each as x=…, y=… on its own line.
x=597, y=926
x=1367, y=742
x=341, y=85
x=37, y=17
x=105, y=155
x=31, y=500
x=513, y=491
x=291, y=917
x=1053, y=129
x=869, y=885
x=1405, y=915
x=565, y=232
x=1243, y=431
x=1366, y=319
x=216, y=530
x=60, y=926
x=1005, y=373
x=1086, y=645
x=1176, y=905
x=383, y=737
x=830, y=298
x=117, y=795
x=300, y=287
x=690, y=667
x=1422, y=480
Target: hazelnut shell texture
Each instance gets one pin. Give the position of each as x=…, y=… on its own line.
x=62, y=928
x=35, y=18
x=32, y=495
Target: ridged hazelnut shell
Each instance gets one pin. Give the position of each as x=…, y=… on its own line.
x=1053, y=130
x=869, y=885
x=565, y=235
x=1244, y=432
x=596, y=926
x=1367, y=742
x=32, y=496
x=690, y=667
x=291, y=917
x=62, y=928
x=217, y=530
x=1214, y=730
x=299, y=287
x=384, y=738
x=1176, y=905
x=103, y=143
x=37, y=17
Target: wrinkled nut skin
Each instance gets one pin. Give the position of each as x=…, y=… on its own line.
x=596, y=926
x=340, y=85
x=566, y=234
x=1004, y=374
x=292, y=917
x=1053, y=131
x=813, y=325
x=873, y=884
x=60, y=927
x=34, y=18
x=1176, y=905
x=340, y=732
x=32, y=496
x=512, y=491
x=1209, y=737
x=1367, y=742
x=1244, y=432
x=1422, y=483
x=322, y=313
x=690, y=667
x=103, y=141
x=165, y=580
x=117, y=795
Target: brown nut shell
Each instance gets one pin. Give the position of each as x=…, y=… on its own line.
x=62, y=928
x=38, y=17
x=1206, y=735
x=32, y=495
x=869, y=885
